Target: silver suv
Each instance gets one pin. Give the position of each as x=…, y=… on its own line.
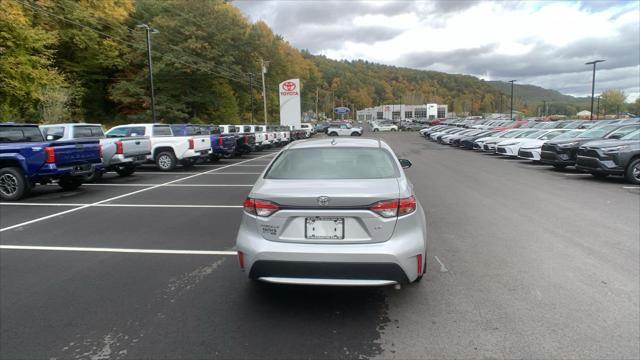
x=336, y=211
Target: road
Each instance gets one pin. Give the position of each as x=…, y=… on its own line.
x=523, y=262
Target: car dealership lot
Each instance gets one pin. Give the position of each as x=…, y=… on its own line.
x=523, y=261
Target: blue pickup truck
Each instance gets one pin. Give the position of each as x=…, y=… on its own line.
x=27, y=159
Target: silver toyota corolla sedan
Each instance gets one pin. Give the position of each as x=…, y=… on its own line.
x=333, y=212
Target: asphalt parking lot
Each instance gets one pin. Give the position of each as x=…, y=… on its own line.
x=523, y=262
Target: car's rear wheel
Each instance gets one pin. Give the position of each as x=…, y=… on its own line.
x=126, y=170
x=13, y=184
x=166, y=161
x=374, y=130
x=393, y=130
x=333, y=133
x=632, y=174
x=355, y=133
x=70, y=183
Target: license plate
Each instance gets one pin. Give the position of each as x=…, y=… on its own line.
x=324, y=228
x=140, y=157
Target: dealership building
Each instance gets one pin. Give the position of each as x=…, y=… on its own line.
x=403, y=112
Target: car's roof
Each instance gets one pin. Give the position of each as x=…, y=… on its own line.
x=16, y=124
x=339, y=142
x=71, y=124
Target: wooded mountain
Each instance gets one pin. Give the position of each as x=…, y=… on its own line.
x=86, y=60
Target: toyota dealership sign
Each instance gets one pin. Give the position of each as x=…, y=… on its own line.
x=290, y=110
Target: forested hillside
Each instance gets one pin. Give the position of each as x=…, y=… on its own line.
x=64, y=60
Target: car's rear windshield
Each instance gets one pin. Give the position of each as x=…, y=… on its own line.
x=10, y=134
x=88, y=131
x=334, y=163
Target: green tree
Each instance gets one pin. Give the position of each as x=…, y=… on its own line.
x=612, y=101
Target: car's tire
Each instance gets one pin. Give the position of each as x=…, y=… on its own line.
x=355, y=133
x=189, y=162
x=632, y=174
x=126, y=170
x=69, y=183
x=214, y=158
x=376, y=130
x=394, y=130
x=13, y=184
x=600, y=175
x=166, y=161
x=559, y=166
x=95, y=176
x=333, y=133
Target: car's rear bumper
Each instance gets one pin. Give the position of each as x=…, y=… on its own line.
x=394, y=260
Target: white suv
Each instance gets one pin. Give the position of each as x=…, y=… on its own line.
x=384, y=127
x=344, y=130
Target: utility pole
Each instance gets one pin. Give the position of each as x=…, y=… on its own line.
x=593, y=83
x=251, y=94
x=317, y=104
x=264, y=91
x=598, y=111
x=544, y=107
x=501, y=104
x=333, y=104
x=512, y=81
x=149, y=30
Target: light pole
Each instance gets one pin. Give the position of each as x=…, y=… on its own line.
x=150, y=31
x=251, y=94
x=512, y=81
x=593, y=83
x=264, y=92
x=598, y=110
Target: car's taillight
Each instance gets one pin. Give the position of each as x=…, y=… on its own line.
x=100, y=151
x=246, y=139
x=386, y=208
x=241, y=259
x=50, y=153
x=220, y=141
x=119, y=148
x=191, y=144
x=406, y=206
x=396, y=207
x=259, y=207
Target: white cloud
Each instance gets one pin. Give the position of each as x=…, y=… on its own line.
x=545, y=37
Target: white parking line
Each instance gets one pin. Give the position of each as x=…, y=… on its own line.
x=116, y=197
x=631, y=187
x=442, y=267
x=193, y=172
x=234, y=164
x=577, y=174
x=125, y=205
x=169, y=185
x=117, y=250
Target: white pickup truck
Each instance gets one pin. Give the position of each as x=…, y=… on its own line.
x=121, y=154
x=166, y=149
x=261, y=135
x=344, y=130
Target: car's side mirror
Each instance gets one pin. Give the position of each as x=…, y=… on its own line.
x=405, y=163
x=615, y=136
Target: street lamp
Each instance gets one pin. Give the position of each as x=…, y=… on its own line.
x=150, y=31
x=512, y=81
x=593, y=83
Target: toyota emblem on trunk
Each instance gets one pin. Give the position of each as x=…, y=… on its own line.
x=323, y=200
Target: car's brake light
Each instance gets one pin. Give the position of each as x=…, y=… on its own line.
x=50, y=153
x=220, y=140
x=406, y=206
x=259, y=207
x=100, y=151
x=396, y=207
x=246, y=139
x=386, y=208
x=191, y=144
x=119, y=148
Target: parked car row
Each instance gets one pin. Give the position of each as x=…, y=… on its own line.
x=74, y=153
x=601, y=148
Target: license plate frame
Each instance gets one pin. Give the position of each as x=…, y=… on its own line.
x=322, y=225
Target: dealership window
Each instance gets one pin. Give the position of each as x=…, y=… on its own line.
x=395, y=115
x=408, y=114
x=369, y=117
x=420, y=113
x=442, y=113
x=379, y=115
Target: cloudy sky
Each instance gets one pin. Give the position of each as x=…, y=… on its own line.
x=543, y=43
